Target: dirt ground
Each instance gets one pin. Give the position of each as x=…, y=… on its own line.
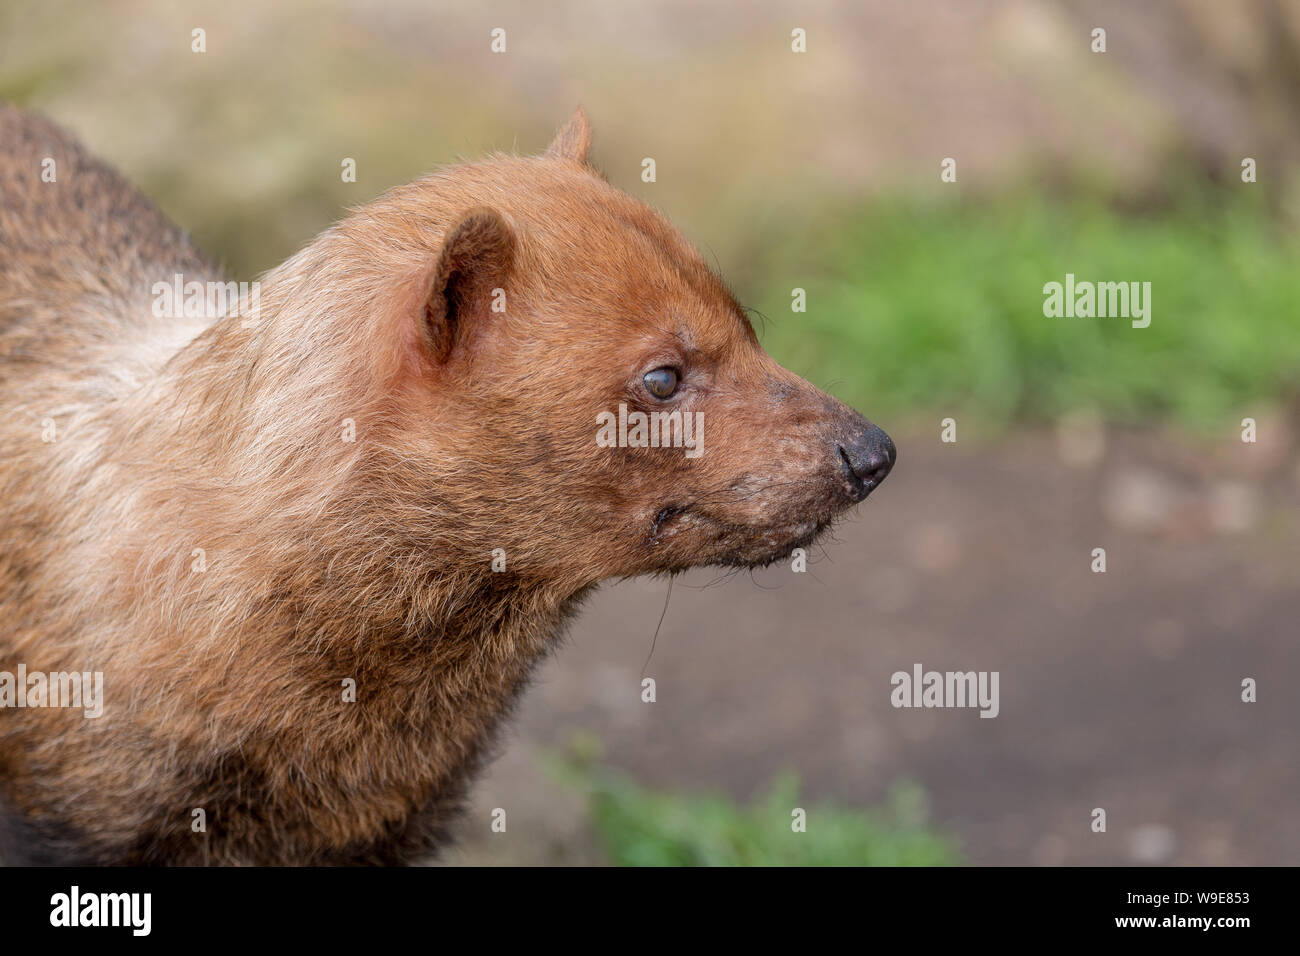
x=1120, y=690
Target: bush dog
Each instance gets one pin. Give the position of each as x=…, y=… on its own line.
x=314, y=545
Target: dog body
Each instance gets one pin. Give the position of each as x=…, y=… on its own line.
x=316, y=547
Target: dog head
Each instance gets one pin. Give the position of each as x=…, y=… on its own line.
x=575, y=366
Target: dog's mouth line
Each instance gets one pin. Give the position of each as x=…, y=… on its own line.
x=662, y=517
x=790, y=534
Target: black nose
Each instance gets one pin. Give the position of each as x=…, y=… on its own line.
x=867, y=459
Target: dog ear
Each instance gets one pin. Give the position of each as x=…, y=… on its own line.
x=475, y=260
x=573, y=141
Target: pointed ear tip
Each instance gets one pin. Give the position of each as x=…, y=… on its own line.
x=573, y=141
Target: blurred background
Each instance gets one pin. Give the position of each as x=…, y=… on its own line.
x=821, y=171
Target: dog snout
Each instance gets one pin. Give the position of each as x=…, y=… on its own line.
x=865, y=460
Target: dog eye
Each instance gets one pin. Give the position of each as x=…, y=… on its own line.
x=661, y=383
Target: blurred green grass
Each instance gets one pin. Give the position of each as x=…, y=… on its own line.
x=923, y=306
x=642, y=826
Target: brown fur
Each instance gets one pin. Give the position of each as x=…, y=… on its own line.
x=328, y=559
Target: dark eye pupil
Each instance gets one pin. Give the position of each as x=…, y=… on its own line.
x=662, y=382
